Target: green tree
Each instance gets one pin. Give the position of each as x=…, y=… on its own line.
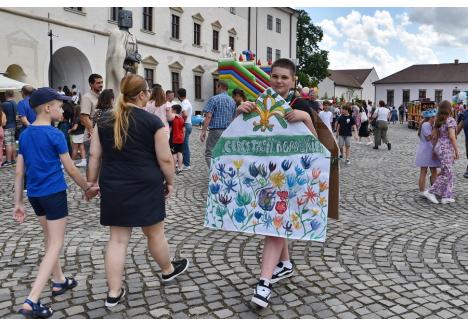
x=312, y=61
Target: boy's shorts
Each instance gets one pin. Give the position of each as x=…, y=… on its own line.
x=344, y=140
x=9, y=136
x=53, y=207
x=177, y=148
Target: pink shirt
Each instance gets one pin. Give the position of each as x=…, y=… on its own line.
x=159, y=111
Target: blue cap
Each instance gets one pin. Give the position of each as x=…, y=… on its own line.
x=429, y=113
x=46, y=94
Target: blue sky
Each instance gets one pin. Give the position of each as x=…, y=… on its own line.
x=391, y=39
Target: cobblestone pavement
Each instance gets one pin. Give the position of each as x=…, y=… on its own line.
x=392, y=254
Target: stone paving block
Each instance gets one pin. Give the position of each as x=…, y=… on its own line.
x=160, y=313
x=223, y=313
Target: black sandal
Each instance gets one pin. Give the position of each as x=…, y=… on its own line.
x=38, y=310
x=69, y=283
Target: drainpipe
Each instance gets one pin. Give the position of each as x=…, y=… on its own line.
x=248, y=29
x=256, y=31
x=290, y=36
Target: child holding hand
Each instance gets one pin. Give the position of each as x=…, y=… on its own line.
x=424, y=157
x=42, y=150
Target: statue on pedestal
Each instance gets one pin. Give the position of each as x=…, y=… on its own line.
x=122, y=52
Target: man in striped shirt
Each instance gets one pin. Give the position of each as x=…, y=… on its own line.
x=219, y=112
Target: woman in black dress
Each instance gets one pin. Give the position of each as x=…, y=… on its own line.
x=131, y=158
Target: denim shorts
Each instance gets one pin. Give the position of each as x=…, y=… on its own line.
x=53, y=207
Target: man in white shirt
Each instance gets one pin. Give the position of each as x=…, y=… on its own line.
x=187, y=113
x=88, y=108
x=326, y=116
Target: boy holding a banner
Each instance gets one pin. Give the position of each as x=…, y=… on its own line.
x=276, y=263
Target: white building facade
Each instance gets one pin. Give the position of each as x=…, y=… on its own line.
x=349, y=84
x=436, y=82
x=397, y=94
x=180, y=47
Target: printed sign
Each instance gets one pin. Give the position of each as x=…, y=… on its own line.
x=269, y=176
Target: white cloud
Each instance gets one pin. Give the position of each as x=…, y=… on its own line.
x=380, y=41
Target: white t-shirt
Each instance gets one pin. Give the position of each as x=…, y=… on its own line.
x=327, y=118
x=187, y=107
x=382, y=113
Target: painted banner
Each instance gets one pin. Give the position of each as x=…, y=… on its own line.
x=269, y=176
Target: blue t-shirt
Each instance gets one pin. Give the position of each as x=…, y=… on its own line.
x=25, y=110
x=9, y=107
x=41, y=147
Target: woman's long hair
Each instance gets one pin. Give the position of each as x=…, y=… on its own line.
x=445, y=109
x=158, y=95
x=105, y=99
x=420, y=125
x=130, y=87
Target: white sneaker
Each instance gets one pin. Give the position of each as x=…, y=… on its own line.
x=421, y=193
x=430, y=197
x=81, y=164
x=447, y=200
x=369, y=143
x=262, y=294
x=348, y=162
x=186, y=168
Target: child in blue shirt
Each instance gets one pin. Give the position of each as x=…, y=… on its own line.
x=42, y=150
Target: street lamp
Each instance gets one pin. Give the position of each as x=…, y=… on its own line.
x=51, y=55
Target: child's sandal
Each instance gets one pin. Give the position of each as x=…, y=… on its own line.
x=38, y=310
x=69, y=283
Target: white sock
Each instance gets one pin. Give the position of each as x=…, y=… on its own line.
x=267, y=281
x=287, y=263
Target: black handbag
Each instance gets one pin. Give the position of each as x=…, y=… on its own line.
x=374, y=121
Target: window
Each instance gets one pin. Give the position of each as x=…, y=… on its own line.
x=215, y=85
x=270, y=22
x=232, y=10
x=196, y=33
x=149, y=77
x=269, y=54
x=115, y=13
x=231, y=42
x=390, y=94
x=422, y=93
x=175, y=81
x=438, y=95
x=76, y=8
x=148, y=18
x=278, y=25
x=215, y=40
x=277, y=54
x=406, y=96
x=198, y=88
x=175, y=26
x=455, y=92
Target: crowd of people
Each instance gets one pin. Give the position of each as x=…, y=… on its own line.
x=134, y=142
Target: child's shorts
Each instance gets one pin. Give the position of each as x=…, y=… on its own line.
x=344, y=141
x=53, y=207
x=177, y=148
x=77, y=139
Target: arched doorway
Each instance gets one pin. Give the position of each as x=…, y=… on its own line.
x=70, y=66
x=15, y=72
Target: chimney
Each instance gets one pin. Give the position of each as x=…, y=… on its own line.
x=456, y=61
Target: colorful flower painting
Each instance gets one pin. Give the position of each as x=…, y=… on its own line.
x=275, y=184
